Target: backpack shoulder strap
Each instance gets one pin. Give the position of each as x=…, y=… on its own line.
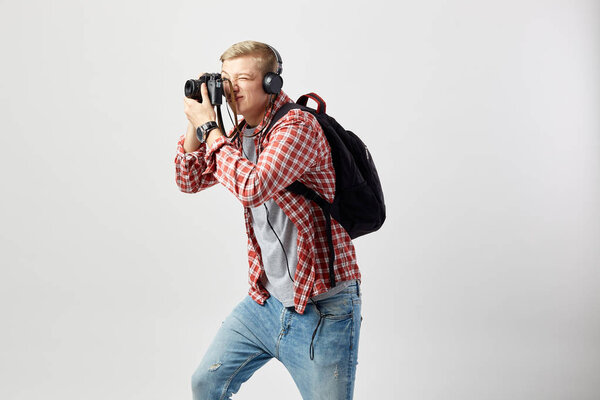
x=298, y=187
x=283, y=110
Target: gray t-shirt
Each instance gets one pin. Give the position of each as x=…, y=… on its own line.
x=276, y=235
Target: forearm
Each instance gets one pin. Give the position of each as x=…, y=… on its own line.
x=191, y=141
x=291, y=150
x=190, y=167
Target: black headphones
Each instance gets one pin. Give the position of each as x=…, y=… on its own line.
x=272, y=82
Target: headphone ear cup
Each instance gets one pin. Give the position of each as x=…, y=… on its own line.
x=272, y=83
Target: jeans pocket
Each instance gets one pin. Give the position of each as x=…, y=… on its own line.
x=337, y=307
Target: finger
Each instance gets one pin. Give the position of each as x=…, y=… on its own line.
x=204, y=91
x=200, y=76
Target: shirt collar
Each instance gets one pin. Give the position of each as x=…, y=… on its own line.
x=280, y=100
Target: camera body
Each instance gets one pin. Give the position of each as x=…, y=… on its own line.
x=214, y=84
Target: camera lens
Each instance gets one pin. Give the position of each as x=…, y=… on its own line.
x=192, y=88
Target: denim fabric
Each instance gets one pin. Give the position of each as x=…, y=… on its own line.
x=253, y=334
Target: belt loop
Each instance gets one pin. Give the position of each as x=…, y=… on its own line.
x=357, y=289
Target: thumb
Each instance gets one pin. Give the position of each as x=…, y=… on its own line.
x=204, y=92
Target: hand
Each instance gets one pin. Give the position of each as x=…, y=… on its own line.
x=199, y=113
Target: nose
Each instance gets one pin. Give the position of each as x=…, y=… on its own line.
x=230, y=85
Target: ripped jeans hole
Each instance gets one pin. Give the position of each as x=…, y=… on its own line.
x=215, y=366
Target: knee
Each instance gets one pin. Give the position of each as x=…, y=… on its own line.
x=203, y=386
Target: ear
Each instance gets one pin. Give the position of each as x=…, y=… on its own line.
x=272, y=83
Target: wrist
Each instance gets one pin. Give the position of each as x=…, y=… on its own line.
x=212, y=137
x=203, y=130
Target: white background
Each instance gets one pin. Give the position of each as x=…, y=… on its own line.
x=482, y=116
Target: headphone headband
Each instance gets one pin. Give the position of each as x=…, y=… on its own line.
x=272, y=81
x=278, y=58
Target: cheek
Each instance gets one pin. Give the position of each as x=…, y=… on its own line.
x=250, y=96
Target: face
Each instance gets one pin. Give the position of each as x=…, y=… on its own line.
x=246, y=82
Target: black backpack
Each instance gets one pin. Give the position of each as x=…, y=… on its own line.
x=358, y=204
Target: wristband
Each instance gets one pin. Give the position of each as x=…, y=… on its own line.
x=203, y=130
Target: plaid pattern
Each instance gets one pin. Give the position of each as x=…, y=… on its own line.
x=294, y=149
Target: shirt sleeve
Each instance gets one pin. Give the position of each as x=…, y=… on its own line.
x=191, y=174
x=294, y=145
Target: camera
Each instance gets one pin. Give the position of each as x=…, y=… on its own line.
x=214, y=84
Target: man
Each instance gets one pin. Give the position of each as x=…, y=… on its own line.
x=292, y=313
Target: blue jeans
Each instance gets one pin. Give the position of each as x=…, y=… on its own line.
x=319, y=348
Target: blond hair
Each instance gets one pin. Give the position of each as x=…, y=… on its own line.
x=261, y=52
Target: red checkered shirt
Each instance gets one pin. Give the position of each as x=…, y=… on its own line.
x=294, y=149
